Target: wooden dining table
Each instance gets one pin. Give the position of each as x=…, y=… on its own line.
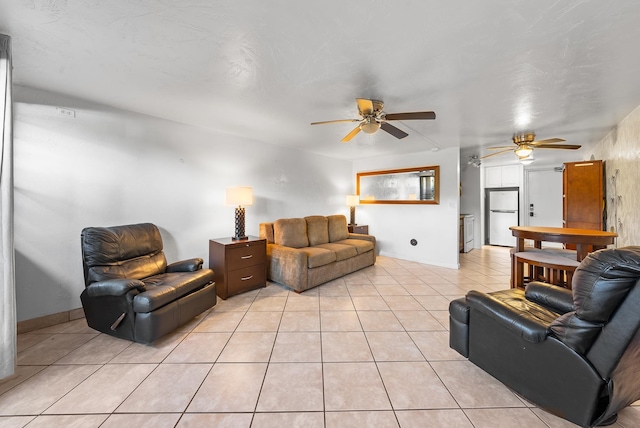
x=584, y=241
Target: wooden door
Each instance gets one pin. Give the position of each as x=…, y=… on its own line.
x=583, y=192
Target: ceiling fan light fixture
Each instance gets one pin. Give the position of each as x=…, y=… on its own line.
x=523, y=151
x=370, y=126
x=528, y=160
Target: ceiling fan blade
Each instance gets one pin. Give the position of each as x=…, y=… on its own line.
x=396, y=132
x=335, y=121
x=501, y=147
x=547, y=141
x=427, y=115
x=497, y=153
x=351, y=134
x=559, y=146
x=365, y=106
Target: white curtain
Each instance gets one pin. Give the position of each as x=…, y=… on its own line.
x=8, y=325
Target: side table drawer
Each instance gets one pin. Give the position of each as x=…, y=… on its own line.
x=240, y=280
x=238, y=258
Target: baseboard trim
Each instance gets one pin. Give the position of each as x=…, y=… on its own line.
x=49, y=320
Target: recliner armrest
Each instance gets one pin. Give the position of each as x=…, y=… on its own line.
x=527, y=327
x=553, y=297
x=189, y=265
x=114, y=287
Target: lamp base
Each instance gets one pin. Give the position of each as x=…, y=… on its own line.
x=352, y=214
x=239, y=232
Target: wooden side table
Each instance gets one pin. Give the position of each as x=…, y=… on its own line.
x=358, y=228
x=239, y=266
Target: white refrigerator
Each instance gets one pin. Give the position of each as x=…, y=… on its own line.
x=503, y=213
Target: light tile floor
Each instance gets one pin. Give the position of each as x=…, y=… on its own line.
x=367, y=350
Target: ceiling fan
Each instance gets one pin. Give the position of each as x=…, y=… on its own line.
x=525, y=144
x=372, y=118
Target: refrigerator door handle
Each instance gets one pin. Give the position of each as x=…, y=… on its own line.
x=503, y=211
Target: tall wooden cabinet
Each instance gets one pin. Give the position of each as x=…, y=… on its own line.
x=583, y=195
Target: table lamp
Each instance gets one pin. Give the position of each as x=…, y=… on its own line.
x=352, y=201
x=239, y=197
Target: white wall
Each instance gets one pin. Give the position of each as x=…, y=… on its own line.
x=621, y=152
x=435, y=227
x=109, y=167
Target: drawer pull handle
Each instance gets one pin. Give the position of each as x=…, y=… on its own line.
x=246, y=278
x=246, y=257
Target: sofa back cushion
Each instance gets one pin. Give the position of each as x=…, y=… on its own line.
x=337, y=228
x=317, y=229
x=291, y=232
x=266, y=232
x=132, y=251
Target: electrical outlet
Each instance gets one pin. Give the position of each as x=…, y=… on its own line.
x=66, y=112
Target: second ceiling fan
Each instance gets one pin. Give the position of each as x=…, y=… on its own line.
x=525, y=144
x=372, y=118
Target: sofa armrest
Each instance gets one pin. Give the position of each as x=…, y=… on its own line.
x=189, y=265
x=553, y=297
x=363, y=237
x=292, y=256
x=287, y=266
x=114, y=287
x=519, y=322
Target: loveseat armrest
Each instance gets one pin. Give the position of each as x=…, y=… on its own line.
x=518, y=321
x=189, y=265
x=553, y=297
x=114, y=287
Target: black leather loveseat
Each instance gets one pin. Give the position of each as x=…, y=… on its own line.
x=573, y=353
x=130, y=291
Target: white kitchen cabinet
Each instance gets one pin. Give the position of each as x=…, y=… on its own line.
x=503, y=176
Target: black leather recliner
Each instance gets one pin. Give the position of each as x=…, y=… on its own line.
x=575, y=353
x=130, y=291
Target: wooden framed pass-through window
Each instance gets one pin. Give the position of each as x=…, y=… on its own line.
x=418, y=185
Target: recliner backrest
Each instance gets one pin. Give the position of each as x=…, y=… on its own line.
x=600, y=284
x=613, y=340
x=131, y=251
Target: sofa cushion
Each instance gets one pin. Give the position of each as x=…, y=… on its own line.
x=317, y=229
x=342, y=251
x=291, y=232
x=337, y=228
x=317, y=256
x=360, y=245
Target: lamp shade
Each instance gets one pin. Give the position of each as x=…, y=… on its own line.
x=353, y=200
x=239, y=196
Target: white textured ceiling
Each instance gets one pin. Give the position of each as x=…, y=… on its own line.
x=266, y=69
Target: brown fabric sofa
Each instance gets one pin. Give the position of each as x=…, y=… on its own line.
x=303, y=253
